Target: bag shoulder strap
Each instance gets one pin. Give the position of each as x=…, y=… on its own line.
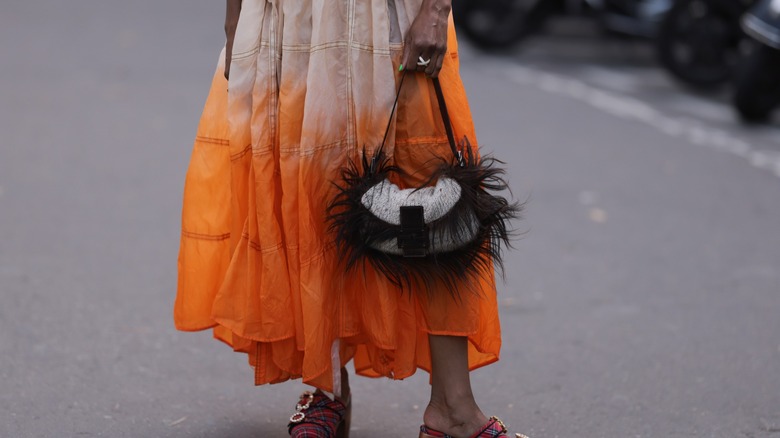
x=445, y=116
x=457, y=153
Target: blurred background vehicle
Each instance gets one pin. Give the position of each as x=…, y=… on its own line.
x=503, y=23
x=699, y=41
x=757, y=88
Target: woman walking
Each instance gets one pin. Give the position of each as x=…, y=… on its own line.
x=302, y=87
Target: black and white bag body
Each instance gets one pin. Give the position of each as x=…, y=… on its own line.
x=441, y=234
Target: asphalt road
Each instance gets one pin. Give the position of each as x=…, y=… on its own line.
x=642, y=302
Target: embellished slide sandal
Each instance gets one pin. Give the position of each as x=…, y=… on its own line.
x=317, y=416
x=494, y=428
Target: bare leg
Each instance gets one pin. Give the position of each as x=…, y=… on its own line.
x=345, y=391
x=452, y=408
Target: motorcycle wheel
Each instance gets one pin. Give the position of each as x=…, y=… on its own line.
x=699, y=43
x=757, y=87
x=502, y=23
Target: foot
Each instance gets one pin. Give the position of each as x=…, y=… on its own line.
x=459, y=420
x=317, y=416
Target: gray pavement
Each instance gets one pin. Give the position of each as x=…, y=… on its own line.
x=642, y=302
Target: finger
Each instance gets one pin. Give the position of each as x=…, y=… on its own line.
x=416, y=60
x=439, y=63
x=405, y=62
x=424, y=56
x=430, y=69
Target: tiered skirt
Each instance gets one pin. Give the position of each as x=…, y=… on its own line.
x=311, y=85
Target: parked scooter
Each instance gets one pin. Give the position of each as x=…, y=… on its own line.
x=758, y=81
x=503, y=23
x=699, y=40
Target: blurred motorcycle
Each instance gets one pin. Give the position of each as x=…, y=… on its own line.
x=699, y=40
x=503, y=23
x=758, y=81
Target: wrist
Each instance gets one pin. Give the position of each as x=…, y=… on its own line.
x=232, y=14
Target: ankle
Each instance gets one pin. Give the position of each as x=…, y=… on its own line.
x=458, y=419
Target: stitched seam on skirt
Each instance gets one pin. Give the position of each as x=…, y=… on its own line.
x=248, y=53
x=239, y=155
x=349, y=334
x=349, y=92
x=212, y=140
x=228, y=325
x=258, y=247
x=423, y=140
x=201, y=236
x=273, y=80
x=310, y=151
x=319, y=255
x=258, y=152
x=467, y=334
x=341, y=44
x=194, y=328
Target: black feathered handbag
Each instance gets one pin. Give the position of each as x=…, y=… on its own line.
x=444, y=233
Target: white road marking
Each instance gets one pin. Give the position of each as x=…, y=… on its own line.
x=630, y=108
x=711, y=111
x=610, y=79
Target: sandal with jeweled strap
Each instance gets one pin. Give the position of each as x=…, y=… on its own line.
x=317, y=416
x=494, y=428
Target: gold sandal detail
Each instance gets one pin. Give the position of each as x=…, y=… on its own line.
x=494, y=428
x=316, y=415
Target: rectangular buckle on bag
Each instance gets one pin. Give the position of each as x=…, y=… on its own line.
x=413, y=238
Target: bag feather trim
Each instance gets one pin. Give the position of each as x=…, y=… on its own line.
x=479, y=221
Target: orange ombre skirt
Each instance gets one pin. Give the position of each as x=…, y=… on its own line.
x=310, y=86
